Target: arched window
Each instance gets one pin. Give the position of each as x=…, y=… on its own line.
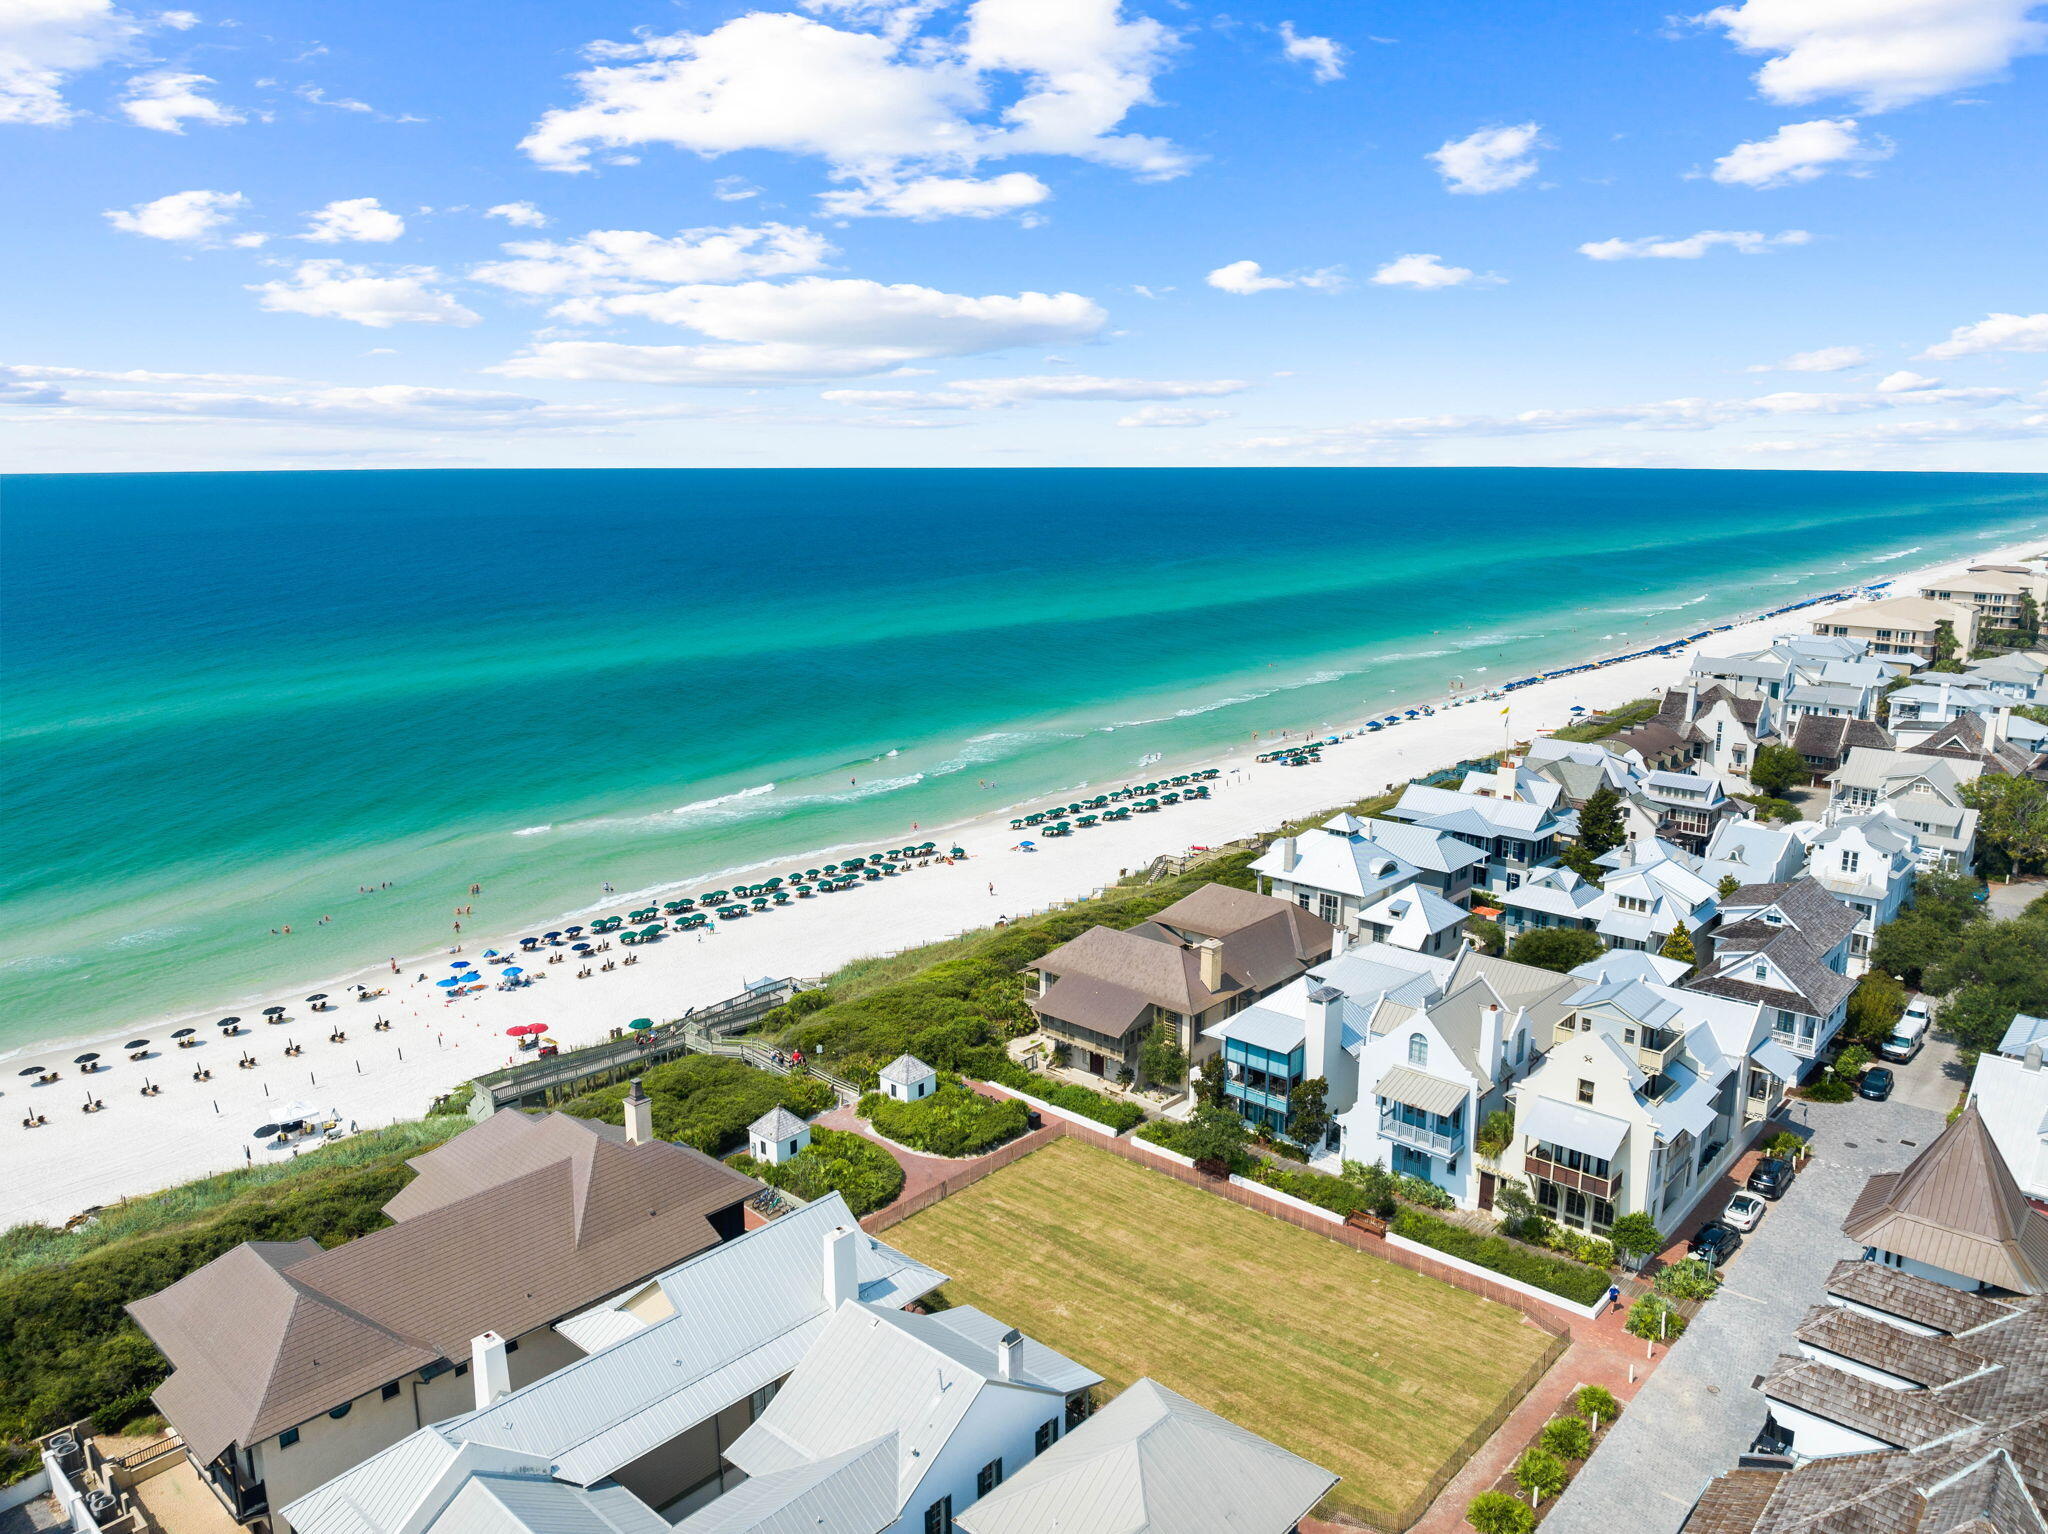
x=1418, y=1049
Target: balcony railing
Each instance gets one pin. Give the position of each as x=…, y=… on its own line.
x=1432, y=1142
x=1608, y=1188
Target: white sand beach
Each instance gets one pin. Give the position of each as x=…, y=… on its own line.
x=138, y=1144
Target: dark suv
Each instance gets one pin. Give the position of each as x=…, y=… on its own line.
x=1714, y=1243
x=1773, y=1175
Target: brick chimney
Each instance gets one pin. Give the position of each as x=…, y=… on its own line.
x=639, y=1116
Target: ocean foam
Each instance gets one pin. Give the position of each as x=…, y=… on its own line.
x=701, y=805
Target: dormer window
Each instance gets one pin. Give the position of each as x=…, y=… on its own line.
x=1763, y=972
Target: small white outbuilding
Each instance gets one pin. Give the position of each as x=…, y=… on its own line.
x=776, y=1136
x=907, y=1078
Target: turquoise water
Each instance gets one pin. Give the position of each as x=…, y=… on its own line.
x=235, y=700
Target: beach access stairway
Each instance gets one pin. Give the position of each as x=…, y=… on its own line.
x=552, y=1078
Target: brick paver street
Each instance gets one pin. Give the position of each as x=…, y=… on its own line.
x=1698, y=1412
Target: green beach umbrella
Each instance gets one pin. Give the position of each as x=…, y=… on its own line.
x=639, y=1023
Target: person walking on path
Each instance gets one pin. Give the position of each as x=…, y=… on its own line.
x=1613, y=1296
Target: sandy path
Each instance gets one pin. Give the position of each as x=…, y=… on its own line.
x=138, y=1144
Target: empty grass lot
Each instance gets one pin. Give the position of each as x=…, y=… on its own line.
x=1365, y=1367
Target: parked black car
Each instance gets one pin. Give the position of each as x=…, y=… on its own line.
x=1714, y=1243
x=1876, y=1084
x=1773, y=1175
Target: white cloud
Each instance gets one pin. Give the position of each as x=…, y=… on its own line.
x=188, y=217
x=1883, y=53
x=166, y=100
x=634, y=260
x=1491, y=160
x=356, y=220
x=812, y=328
x=734, y=189
x=335, y=290
x=1995, y=333
x=1324, y=56
x=992, y=393
x=44, y=42
x=880, y=104
x=1903, y=380
x=1827, y=359
x=319, y=98
x=1800, y=152
x=1749, y=242
x=1421, y=271
x=22, y=370
x=929, y=197
x=520, y=215
x=1172, y=415
x=1246, y=277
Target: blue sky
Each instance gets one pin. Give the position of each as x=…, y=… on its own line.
x=1782, y=233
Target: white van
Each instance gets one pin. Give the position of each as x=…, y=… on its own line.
x=1909, y=1033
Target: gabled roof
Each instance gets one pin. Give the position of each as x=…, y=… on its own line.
x=266, y=1336
x=1416, y=905
x=1828, y=739
x=853, y=1491
x=1448, y=809
x=1905, y=1419
x=1913, y=1298
x=1957, y=1208
x=1153, y=1462
x=1810, y=924
x=1926, y=1361
x=2023, y=1030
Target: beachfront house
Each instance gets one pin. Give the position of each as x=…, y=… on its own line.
x=1583, y=768
x=1650, y=889
x=1868, y=862
x=1313, y=1027
x=1909, y=628
x=1516, y=817
x=1646, y=1095
x=1923, y=791
x=1431, y=1067
x=777, y=1383
x=1907, y=1401
x=290, y=1363
x=1999, y=595
x=1201, y=959
x=1724, y=726
x=1342, y=869
x=2010, y=1090
x=1785, y=947
x=1153, y=1462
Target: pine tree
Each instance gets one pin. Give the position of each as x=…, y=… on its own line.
x=1679, y=946
x=1600, y=827
x=1729, y=885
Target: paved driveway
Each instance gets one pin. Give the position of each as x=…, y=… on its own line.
x=1698, y=1412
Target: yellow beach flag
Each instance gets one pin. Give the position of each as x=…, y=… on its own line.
x=1503, y=711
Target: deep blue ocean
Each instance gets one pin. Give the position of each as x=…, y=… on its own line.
x=234, y=700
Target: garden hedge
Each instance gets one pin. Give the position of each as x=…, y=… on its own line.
x=1574, y=1281
x=835, y=1161
x=953, y=1121
x=707, y=1101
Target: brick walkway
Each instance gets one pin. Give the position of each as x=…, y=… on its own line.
x=920, y=1173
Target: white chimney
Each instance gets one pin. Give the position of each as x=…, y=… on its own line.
x=1490, y=1035
x=1010, y=1354
x=1340, y=939
x=2033, y=1057
x=639, y=1116
x=490, y=1368
x=1325, y=1032
x=1289, y=854
x=842, y=1266
x=1210, y=951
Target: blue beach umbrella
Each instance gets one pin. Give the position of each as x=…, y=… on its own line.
x=452, y=980
x=514, y=969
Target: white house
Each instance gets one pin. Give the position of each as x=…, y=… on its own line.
x=777, y=1136
x=1754, y=852
x=1516, y=817
x=1647, y=1095
x=1923, y=791
x=907, y=1078
x=1342, y=869
x=1904, y=627
x=1868, y=862
x=1786, y=948
x=1651, y=888
x=2010, y=1090
x=1416, y=918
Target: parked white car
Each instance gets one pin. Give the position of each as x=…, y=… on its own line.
x=1743, y=1211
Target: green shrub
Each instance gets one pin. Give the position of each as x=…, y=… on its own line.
x=1325, y=1192
x=1180, y=1138
x=1656, y=1318
x=835, y=1161
x=1690, y=1279
x=1377, y=1183
x=1420, y=1190
x=1540, y=1472
x=1495, y=1512
x=953, y=1121
x=707, y=1101
x=1576, y=1282
x=1829, y=1089
x=1786, y=1143
x=1597, y=1402
x=1567, y=1437
x=1118, y=1114
x=1636, y=1234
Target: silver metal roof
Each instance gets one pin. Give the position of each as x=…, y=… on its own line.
x=906, y=1069
x=1153, y=1462
x=849, y=1493
x=1573, y=1127
x=1432, y=1094
x=777, y=1123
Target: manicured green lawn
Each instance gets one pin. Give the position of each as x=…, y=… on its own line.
x=1368, y=1368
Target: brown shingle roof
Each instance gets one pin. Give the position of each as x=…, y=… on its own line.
x=1926, y=1361
x=1913, y=1298
x=268, y=1335
x=1732, y=1503
x=1907, y=1419
x=1827, y=740
x=1957, y=1208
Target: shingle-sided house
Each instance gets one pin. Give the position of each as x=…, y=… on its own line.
x=1153, y=1462
x=1204, y=957
x=1785, y=947
x=291, y=1363
x=1342, y=869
